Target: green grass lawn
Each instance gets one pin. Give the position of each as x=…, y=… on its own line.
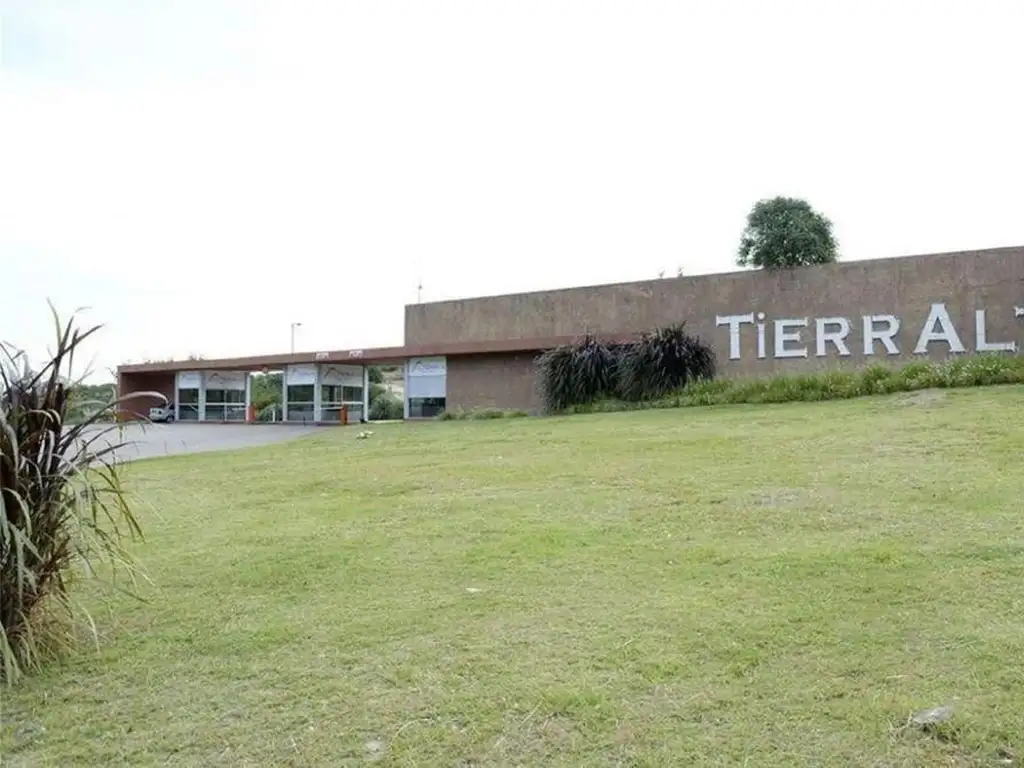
x=751, y=585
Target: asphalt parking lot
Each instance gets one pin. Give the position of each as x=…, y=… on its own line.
x=153, y=440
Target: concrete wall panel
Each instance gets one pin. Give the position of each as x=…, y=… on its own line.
x=906, y=287
x=492, y=381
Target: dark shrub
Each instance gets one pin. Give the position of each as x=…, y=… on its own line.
x=555, y=377
x=63, y=511
x=577, y=373
x=662, y=362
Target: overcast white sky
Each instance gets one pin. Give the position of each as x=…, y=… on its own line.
x=203, y=173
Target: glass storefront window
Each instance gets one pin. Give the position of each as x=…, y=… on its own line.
x=335, y=393
x=300, y=402
x=234, y=412
x=222, y=405
x=300, y=393
x=425, y=407
x=330, y=393
x=333, y=413
x=187, y=412
x=225, y=396
x=300, y=411
x=188, y=405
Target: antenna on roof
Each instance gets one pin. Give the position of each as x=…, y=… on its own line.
x=419, y=291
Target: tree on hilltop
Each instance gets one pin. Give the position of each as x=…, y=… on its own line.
x=786, y=232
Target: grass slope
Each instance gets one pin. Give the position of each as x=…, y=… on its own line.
x=749, y=585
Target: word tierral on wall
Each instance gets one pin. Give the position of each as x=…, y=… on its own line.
x=877, y=332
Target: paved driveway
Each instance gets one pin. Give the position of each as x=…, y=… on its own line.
x=151, y=440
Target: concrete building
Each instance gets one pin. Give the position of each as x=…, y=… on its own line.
x=480, y=352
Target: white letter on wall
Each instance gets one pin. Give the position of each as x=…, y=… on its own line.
x=981, y=337
x=884, y=335
x=946, y=332
x=733, y=321
x=782, y=336
x=823, y=337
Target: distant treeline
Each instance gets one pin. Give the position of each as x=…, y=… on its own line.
x=86, y=399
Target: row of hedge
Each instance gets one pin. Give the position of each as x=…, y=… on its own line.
x=657, y=364
x=482, y=414
x=876, y=379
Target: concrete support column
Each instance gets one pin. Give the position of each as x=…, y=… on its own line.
x=317, y=394
x=202, y=396
x=284, y=394
x=248, y=395
x=177, y=390
x=405, y=390
x=366, y=393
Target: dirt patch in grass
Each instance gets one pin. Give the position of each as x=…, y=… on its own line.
x=925, y=397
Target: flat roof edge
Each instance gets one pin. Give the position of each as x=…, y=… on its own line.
x=735, y=273
x=378, y=356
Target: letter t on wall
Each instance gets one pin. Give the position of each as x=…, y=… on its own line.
x=734, y=322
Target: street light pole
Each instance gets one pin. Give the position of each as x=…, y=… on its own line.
x=294, y=326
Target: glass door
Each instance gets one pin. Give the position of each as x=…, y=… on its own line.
x=335, y=397
x=300, y=402
x=225, y=405
x=188, y=404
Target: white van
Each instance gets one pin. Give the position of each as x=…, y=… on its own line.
x=162, y=414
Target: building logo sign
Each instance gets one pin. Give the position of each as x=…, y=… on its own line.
x=234, y=380
x=878, y=334
x=189, y=380
x=300, y=375
x=428, y=366
x=342, y=375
